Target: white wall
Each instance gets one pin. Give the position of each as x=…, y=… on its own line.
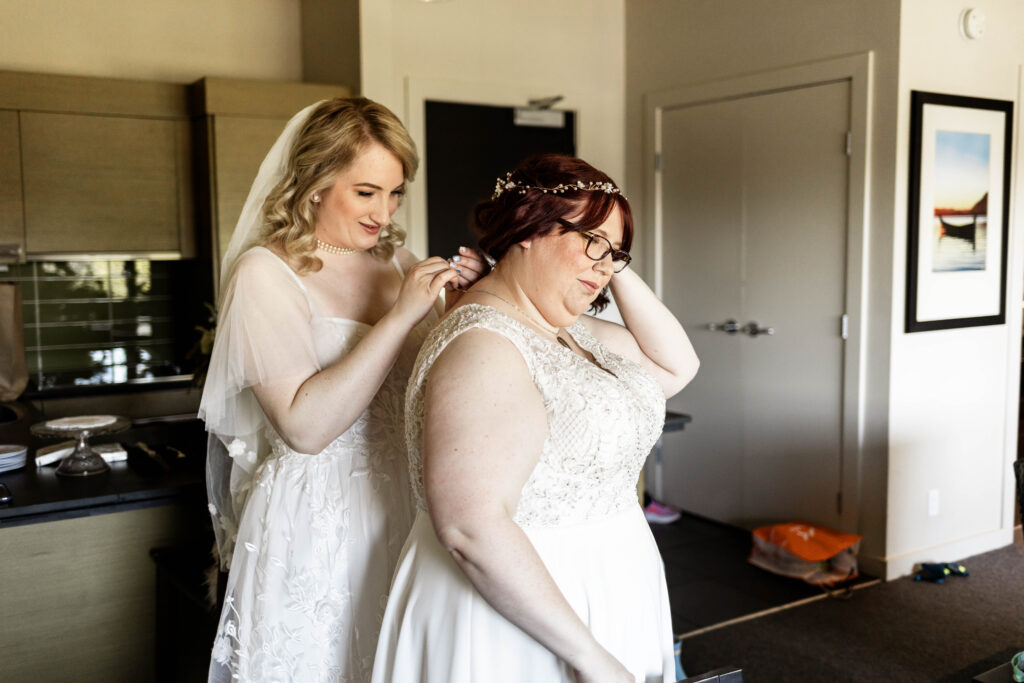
x=499, y=52
x=954, y=393
x=670, y=44
x=178, y=41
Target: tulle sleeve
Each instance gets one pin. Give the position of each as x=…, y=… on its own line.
x=264, y=337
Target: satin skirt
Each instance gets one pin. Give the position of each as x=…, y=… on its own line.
x=438, y=629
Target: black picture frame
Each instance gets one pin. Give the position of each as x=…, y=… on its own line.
x=958, y=146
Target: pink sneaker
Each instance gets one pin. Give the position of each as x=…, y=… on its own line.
x=659, y=513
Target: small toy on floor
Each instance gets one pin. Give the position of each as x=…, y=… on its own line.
x=937, y=572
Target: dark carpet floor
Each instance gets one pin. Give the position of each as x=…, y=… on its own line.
x=897, y=631
x=709, y=578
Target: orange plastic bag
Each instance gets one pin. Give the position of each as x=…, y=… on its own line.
x=816, y=554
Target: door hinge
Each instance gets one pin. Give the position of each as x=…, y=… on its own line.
x=657, y=161
x=844, y=326
x=849, y=143
x=839, y=503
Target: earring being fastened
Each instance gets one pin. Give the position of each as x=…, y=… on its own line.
x=529, y=317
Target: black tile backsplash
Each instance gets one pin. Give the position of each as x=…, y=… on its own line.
x=90, y=323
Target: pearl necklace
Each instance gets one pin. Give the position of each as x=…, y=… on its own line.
x=528, y=317
x=331, y=249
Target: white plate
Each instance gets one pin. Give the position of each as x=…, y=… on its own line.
x=81, y=422
x=12, y=457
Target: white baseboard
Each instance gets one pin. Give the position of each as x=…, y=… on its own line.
x=896, y=566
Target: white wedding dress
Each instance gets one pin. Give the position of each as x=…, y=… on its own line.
x=579, y=508
x=320, y=535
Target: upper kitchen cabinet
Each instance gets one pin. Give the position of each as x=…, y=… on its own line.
x=12, y=225
x=241, y=120
x=105, y=165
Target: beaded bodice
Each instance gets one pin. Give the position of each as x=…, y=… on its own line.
x=601, y=421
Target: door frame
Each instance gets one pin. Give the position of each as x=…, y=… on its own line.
x=857, y=69
x=417, y=92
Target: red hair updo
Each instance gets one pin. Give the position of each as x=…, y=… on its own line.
x=521, y=209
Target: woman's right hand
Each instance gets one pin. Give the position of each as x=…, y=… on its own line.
x=421, y=286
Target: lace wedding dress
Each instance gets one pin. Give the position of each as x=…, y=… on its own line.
x=319, y=535
x=578, y=507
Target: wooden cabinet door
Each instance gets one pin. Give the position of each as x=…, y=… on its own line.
x=101, y=183
x=240, y=144
x=12, y=226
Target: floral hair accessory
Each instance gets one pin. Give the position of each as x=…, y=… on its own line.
x=507, y=184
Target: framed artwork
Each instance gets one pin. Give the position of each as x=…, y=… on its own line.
x=958, y=211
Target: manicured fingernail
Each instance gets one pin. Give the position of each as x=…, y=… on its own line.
x=456, y=258
x=463, y=250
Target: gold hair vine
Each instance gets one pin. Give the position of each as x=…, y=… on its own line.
x=508, y=184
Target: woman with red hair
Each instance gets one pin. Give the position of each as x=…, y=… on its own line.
x=527, y=424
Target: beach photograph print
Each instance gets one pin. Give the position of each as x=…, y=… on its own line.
x=960, y=195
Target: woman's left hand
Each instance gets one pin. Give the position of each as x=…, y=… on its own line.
x=652, y=336
x=470, y=266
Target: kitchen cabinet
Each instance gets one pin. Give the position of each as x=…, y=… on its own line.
x=239, y=121
x=105, y=184
x=104, y=166
x=241, y=144
x=79, y=601
x=81, y=597
x=12, y=226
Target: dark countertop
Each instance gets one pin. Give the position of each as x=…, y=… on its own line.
x=39, y=495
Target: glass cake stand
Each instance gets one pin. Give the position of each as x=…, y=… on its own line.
x=83, y=461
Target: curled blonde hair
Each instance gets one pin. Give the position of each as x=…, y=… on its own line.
x=336, y=132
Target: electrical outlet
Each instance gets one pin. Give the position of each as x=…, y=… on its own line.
x=933, y=503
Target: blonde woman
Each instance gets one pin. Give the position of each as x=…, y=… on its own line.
x=322, y=313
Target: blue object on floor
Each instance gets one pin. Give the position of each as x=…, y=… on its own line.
x=937, y=572
x=957, y=569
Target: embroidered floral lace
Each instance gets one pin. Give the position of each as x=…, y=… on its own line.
x=602, y=421
x=321, y=533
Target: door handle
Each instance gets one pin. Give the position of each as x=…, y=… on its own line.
x=754, y=330
x=730, y=326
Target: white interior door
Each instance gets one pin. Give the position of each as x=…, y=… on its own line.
x=754, y=206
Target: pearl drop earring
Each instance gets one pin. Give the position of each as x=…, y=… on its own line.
x=316, y=198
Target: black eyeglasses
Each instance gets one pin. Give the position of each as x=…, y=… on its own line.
x=599, y=246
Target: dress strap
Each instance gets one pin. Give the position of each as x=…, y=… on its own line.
x=470, y=316
x=397, y=265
